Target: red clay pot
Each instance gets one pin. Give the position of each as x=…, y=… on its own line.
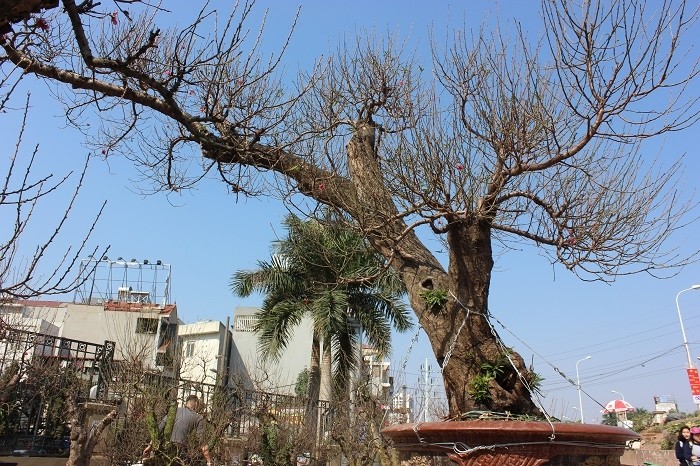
x=514, y=443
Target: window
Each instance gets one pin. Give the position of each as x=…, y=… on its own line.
x=244, y=323
x=189, y=348
x=146, y=325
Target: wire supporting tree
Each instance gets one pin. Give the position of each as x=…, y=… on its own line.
x=509, y=140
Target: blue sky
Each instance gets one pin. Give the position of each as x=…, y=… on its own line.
x=629, y=327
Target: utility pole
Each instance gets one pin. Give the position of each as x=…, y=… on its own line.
x=427, y=386
x=404, y=401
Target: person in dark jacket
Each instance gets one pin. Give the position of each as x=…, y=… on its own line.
x=684, y=447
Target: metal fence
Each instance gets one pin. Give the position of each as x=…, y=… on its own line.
x=238, y=411
x=33, y=416
x=34, y=367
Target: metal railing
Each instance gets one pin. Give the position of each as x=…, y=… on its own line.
x=32, y=418
x=34, y=368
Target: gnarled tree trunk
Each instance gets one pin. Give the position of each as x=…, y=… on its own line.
x=517, y=147
x=478, y=371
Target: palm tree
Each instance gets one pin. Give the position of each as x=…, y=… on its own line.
x=328, y=272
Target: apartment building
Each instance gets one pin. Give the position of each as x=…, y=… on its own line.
x=206, y=352
x=266, y=375
x=145, y=334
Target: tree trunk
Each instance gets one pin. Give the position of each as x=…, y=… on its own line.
x=314, y=386
x=326, y=373
x=478, y=372
x=84, y=438
x=315, y=370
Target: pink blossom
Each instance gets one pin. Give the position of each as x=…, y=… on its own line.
x=42, y=24
x=321, y=186
x=459, y=167
x=115, y=18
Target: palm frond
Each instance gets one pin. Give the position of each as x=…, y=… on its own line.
x=326, y=270
x=275, y=325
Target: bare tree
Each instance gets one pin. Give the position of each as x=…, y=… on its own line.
x=12, y=11
x=508, y=142
x=23, y=273
x=50, y=395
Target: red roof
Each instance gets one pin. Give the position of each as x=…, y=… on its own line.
x=108, y=306
x=138, y=307
x=39, y=303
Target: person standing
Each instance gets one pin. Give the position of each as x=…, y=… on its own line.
x=188, y=423
x=695, y=445
x=684, y=447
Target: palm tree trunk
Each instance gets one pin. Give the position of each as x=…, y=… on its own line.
x=326, y=368
x=312, y=411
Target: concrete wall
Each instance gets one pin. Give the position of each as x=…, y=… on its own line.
x=657, y=457
x=94, y=324
x=202, y=350
x=277, y=377
x=46, y=317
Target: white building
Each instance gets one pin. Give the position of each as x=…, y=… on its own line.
x=205, y=352
x=663, y=405
x=377, y=371
x=270, y=376
x=402, y=407
x=144, y=333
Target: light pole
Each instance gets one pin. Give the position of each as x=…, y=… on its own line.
x=617, y=415
x=685, y=340
x=578, y=386
x=615, y=391
x=680, y=319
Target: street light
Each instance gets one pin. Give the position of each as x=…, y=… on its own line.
x=680, y=319
x=617, y=415
x=578, y=386
x=615, y=391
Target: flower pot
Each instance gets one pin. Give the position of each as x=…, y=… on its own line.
x=513, y=443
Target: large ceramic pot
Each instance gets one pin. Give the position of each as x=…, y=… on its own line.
x=513, y=443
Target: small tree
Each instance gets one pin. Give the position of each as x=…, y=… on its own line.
x=356, y=431
x=641, y=419
x=301, y=388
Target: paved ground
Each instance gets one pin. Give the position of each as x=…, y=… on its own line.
x=43, y=461
x=31, y=461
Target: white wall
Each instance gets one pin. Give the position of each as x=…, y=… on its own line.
x=202, y=347
x=277, y=377
x=93, y=324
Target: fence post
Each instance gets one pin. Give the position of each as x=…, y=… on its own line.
x=106, y=357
